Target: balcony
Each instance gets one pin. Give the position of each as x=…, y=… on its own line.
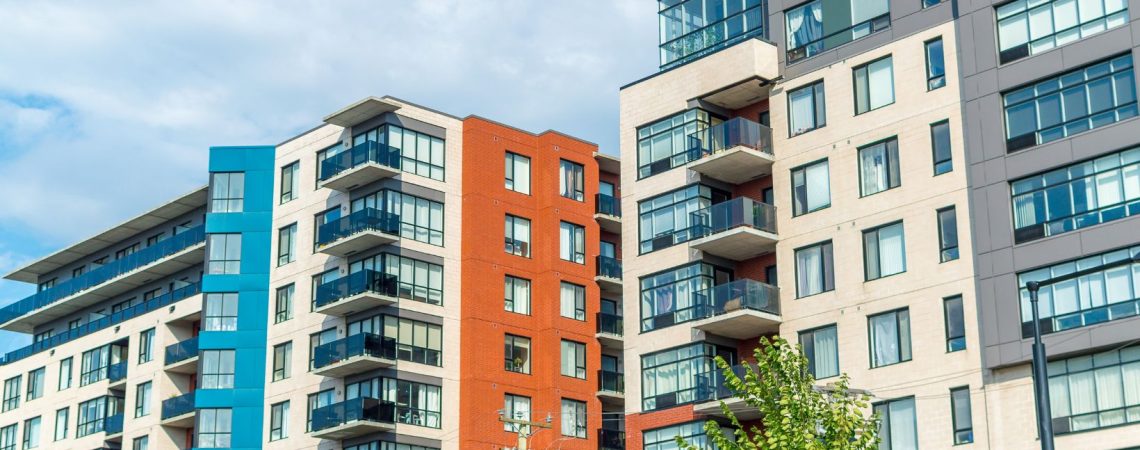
x=359, y=231
x=359, y=166
x=102, y=283
x=353, y=418
x=359, y=291
x=738, y=229
x=611, y=439
x=609, y=274
x=179, y=411
x=113, y=427
x=609, y=330
x=712, y=391
x=607, y=211
x=182, y=357
x=358, y=353
x=740, y=309
x=735, y=151
x=611, y=386
x=117, y=375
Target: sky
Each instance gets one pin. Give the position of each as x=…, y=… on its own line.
x=107, y=109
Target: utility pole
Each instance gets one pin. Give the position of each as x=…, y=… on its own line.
x=523, y=428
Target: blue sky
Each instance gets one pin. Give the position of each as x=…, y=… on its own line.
x=108, y=108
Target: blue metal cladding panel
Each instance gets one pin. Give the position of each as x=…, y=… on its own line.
x=254, y=223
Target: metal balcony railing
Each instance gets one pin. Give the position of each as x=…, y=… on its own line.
x=609, y=267
x=182, y=351
x=611, y=381
x=607, y=204
x=609, y=323
x=611, y=439
x=736, y=295
x=738, y=212
x=363, y=220
x=730, y=134
x=361, y=408
x=368, y=152
x=360, y=344
x=354, y=284
x=117, y=372
x=177, y=406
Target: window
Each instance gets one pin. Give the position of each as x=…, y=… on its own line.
x=1070, y=103
x=290, y=177
x=572, y=242
x=898, y=427
x=844, y=20
x=416, y=341
x=517, y=295
x=421, y=219
x=667, y=298
x=815, y=269
x=283, y=309
x=227, y=191
x=692, y=432
x=11, y=393
x=955, y=323
x=416, y=403
x=518, y=173
x=36, y=380
x=1095, y=391
x=32, y=432
x=890, y=337
x=571, y=180
x=318, y=339
x=679, y=375
x=142, y=399
x=665, y=144
x=948, y=234
x=42, y=336
x=65, y=373
x=884, y=251
x=385, y=445
x=141, y=443
x=1077, y=196
x=47, y=284
x=95, y=363
x=76, y=272
x=770, y=275
x=874, y=85
x=935, y=65
x=940, y=142
x=149, y=242
x=690, y=31
x=224, y=254
x=515, y=407
x=516, y=354
x=221, y=312
x=1024, y=29
x=811, y=188
x=929, y=3
x=321, y=232
x=518, y=236
x=573, y=301
x=214, y=427
x=286, y=244
x=122, y=253
x=963, y=418
x=879, y=167
x=217, y=369
x=146, y=346
x=574, y=418
x=94, y=414
x=8, y=437
x=821, y=348
x=282, y=361
x=61, y=419
x=663, y=221
x=1097, y=297
x=420, y=153
x=417, y=280
x=573, y=359
x=319, y=400
x=806, y=109
x=279, y=421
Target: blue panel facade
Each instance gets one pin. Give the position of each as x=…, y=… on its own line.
x=247, y=398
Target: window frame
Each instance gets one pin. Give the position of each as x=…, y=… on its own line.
x=866, y=67
x=144, y=393
x=221, y=379
x=951, y=338
x=283, y=303
x=818, y=95
x=935, y=81
x=934, y=148
x=231, y=203
x=580, y=418
x=879, y=253
x=227, y=240
x=511, y=285
x=570, y=172
x=811, y=358
x=513, y=161
x=282, y=361
x=893, y=165
x=958, y=438
x=286, y=252
x=576, y=248
x=511, y=350
x=792, y=179
x=512, y=239
x=279, y=421
x=288, y=192
x=579, y=306
x=943, y=246
x=579, y=354
x=827, y=280
x=902, y=356
x=223, y=321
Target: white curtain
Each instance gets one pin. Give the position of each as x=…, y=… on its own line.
x=1082, y=393
x=1118, y=285
x=826, y=352
x=880, y=79
x=809, y=269
x=873, y=163
x=567, y=300
x=819, y=186
x=430, y=401
x=803, y=111
x=904, y=427
x=1109, y=394
x=892, y=255
x=566, y=242
x=1108, y=188
x=1131, y=380
x=1131, y=179
x=804, y=27
x=884, y=339
x=1059, y=396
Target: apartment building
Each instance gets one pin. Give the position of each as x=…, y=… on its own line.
x=798, y=168
x=347, y=288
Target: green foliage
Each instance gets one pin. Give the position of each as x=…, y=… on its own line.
x=795, y=414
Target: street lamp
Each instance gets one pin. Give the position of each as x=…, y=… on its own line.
x=1040, y=375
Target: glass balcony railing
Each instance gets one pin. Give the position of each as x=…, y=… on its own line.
x=609, y=323
x=609, y=267
x=607, y=204
x=731, y=134
x=113, y=424
x=611, y=381
x=104, y=273
x=611, y=439
x=117, y=372
x=360, y=344
x=711, y=385
x=354, y=284
x=357, y=409
x=734, y=296
x=368, y=152
x=363, y=220
x=177, y=406
x=182, y=351
x=101, y=323
x=738, y=212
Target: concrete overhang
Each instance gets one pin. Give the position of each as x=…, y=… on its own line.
x=608, y=163
x=360, y=111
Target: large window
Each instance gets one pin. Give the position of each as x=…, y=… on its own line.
x=940, y=144
x=879, y=167
x=898, y=425
x=571, y=180
x=807, y=109
x=811, y=188
x=1070, y=103
x=420, y=219
x=573, y=359
x=963, y=417
x=821, y=348
x=93, y=414
x=665, y=144
x=955, y=323
x=217, y=369
x=572, y=242
x=947, y=234
x=691, y=29
x=143, y=399
x=516, y=354
x=417, y=280
x=215, y=426
x=692, y=432
x=1077, y=196
x=842, y=20
x=518, y=173
x=890, y=337
x=1026, y=28
x=420, y=153
x=884, y=251
x=935, y=65
x=290, y=181
x=224, y=254
x=36, y=381
x=574, y=418
x=416, y=341
x=677, y=376
x=227, y=192
x=283, y=307
x=287, y=244
x=279, y=421
x=95, y=363
x=515, y=407
x=815, y=269
x=1095, y=391
x=517, y=232
x=220, y=312
x=416, y=403
x=667, y=298
x=282, y=361
x=874, y=85
x=517, y=295
x=663, y=220
x=1094, y=298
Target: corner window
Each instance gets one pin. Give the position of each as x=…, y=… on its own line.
x=227, y=192
x=224, y=254
x=898, y=425
x=890, y=338
x=815, y=269
x=955, y=323
x=821, y=348
x=571, y=180
x=948, y=234
x=573, y=359
x=806, y=109
x=416, y=152
x=572, y=242
x=516, y=354
x=935, y=65
x=1102, y=296
x=874, y=85
x=665, y=144
x=518, y=173
x=664, y=220
x=518, y=236
x=940, y=143
x=884, y=251
x=690, y=30
x=1027, y=28
x=879, y=167
x=811, y=188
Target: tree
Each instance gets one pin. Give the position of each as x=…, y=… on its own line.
x=795, y=413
